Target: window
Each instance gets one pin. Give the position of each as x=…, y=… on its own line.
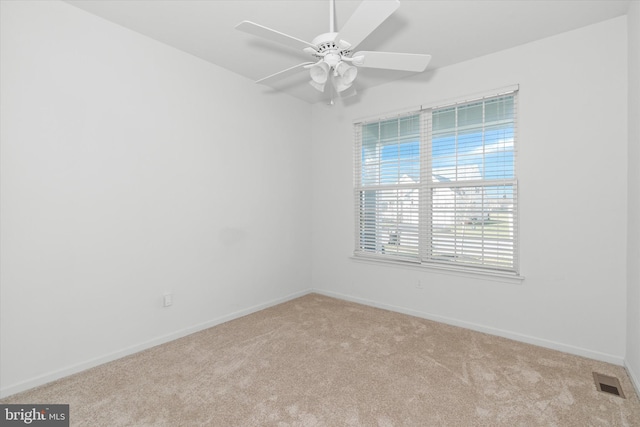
x=438, y=186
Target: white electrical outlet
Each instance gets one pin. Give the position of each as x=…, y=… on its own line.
x=167, y=299
x=419, y=284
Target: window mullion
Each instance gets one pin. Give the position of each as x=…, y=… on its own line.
x=426, y=172
x=483, y=172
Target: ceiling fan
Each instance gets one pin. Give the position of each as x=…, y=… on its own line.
x=334, y=60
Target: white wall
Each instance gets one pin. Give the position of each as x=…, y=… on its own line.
x=633, y=255
x=130, y=169
x=572, y=169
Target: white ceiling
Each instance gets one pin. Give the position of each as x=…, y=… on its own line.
x=451, y=31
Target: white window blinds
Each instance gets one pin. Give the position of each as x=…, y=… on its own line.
x=439, y=187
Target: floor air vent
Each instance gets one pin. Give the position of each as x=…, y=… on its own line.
x=607, y=384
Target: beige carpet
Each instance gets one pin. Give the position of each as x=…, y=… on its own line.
x=318, y=361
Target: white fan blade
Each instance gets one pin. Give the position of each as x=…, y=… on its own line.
x=284, y=73
x=273, y=35
x=392, y=61
x=367, y=17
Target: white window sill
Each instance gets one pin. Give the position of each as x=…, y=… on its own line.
x=443, y=269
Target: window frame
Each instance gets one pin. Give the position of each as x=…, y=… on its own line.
x=426, y=186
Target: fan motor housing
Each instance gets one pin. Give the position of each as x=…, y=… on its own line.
x=326, y=43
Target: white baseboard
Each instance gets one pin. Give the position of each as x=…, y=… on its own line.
x=52, y=376
x=609, y=358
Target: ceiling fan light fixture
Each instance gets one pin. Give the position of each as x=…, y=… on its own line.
x=319, y=72
x=340, y=84
x=346, y=72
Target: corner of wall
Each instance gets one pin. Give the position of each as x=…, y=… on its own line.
x=632, y=355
